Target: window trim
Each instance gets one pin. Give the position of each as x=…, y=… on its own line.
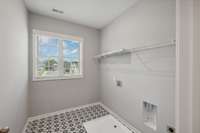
x=35, y=33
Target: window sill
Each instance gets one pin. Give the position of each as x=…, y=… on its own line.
x=58, y=78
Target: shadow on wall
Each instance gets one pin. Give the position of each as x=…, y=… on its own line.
x=161, y=60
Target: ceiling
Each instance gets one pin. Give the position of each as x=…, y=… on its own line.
x=92, y=13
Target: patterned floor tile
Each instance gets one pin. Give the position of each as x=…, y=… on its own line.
x=67, y=122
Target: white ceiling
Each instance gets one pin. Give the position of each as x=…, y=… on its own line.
x=93, y=13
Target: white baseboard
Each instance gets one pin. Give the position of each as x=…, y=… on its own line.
x=125, y=123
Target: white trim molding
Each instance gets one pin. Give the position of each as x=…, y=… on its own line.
x=184, y=66
x=61, y=38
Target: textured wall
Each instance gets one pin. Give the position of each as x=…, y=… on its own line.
x=146, y=22
x=49, y=96
x=13, y=65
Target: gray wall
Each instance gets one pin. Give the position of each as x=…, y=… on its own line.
x=49, y=96
x=13, y=64
x=184, y=70
x=196, y=71
x=147, y=22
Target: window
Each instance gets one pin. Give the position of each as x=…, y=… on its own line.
x=56, y=56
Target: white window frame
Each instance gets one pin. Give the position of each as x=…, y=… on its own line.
x=35, y=35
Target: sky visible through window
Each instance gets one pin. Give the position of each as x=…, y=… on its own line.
x=71, y=50
x=49, y=48
x=57, y=57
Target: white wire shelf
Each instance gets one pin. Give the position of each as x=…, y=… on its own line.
x=112, y=53
x=135, y=50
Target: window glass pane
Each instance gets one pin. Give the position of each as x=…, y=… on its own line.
x=48, y=56
x=71, y=54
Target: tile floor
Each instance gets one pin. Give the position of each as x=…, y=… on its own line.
x=67, y=122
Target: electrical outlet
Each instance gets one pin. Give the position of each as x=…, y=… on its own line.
x=119, y=83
